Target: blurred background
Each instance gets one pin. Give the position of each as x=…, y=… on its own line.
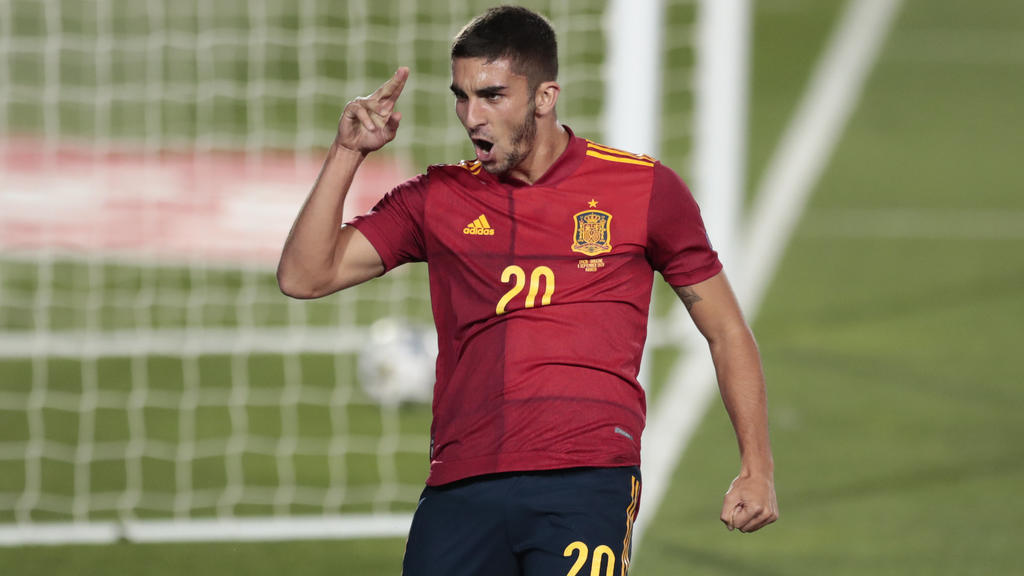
x=153, y=155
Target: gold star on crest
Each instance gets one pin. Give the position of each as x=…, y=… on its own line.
x=592, y=203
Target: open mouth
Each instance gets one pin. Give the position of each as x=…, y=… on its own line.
x=483, y=149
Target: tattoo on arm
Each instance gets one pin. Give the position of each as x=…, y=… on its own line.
x=688, y=296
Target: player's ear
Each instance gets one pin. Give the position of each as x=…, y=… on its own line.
x=546, y=97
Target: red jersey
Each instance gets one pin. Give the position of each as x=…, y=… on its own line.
x=540, y=295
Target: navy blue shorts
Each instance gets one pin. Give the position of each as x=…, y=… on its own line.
x=575, y=522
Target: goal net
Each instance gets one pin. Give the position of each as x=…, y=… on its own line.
x=152, y=157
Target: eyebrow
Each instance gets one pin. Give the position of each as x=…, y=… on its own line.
x=481, y=92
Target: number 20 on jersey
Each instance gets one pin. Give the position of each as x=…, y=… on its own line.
x=517, y=275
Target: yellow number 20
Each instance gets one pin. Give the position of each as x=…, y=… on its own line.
x=603, y=556
x=516, y=273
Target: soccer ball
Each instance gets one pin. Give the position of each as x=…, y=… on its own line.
x=397, y=363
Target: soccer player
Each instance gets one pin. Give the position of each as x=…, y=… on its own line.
x=541, y=253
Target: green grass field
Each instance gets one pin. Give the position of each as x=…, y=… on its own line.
x=889, y=336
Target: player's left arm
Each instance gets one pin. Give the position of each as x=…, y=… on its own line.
x=750, y=503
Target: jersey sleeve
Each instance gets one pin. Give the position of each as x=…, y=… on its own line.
x=394, y=226
x=677, y=243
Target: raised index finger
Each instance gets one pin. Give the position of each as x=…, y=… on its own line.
x=392, y=89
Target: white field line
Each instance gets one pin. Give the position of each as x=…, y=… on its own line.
x=803, y=153
x=198, y=341
x=254, y=529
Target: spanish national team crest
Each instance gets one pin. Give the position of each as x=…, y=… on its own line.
x=593, y=232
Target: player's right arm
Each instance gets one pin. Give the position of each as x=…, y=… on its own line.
x=320, y=255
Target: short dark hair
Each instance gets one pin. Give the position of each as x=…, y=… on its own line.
x=519, y=34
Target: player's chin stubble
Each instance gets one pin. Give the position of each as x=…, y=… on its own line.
x=522, y=142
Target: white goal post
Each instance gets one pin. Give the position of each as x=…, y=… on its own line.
x=154, y=385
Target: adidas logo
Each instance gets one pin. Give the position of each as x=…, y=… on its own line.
x=479, y=227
